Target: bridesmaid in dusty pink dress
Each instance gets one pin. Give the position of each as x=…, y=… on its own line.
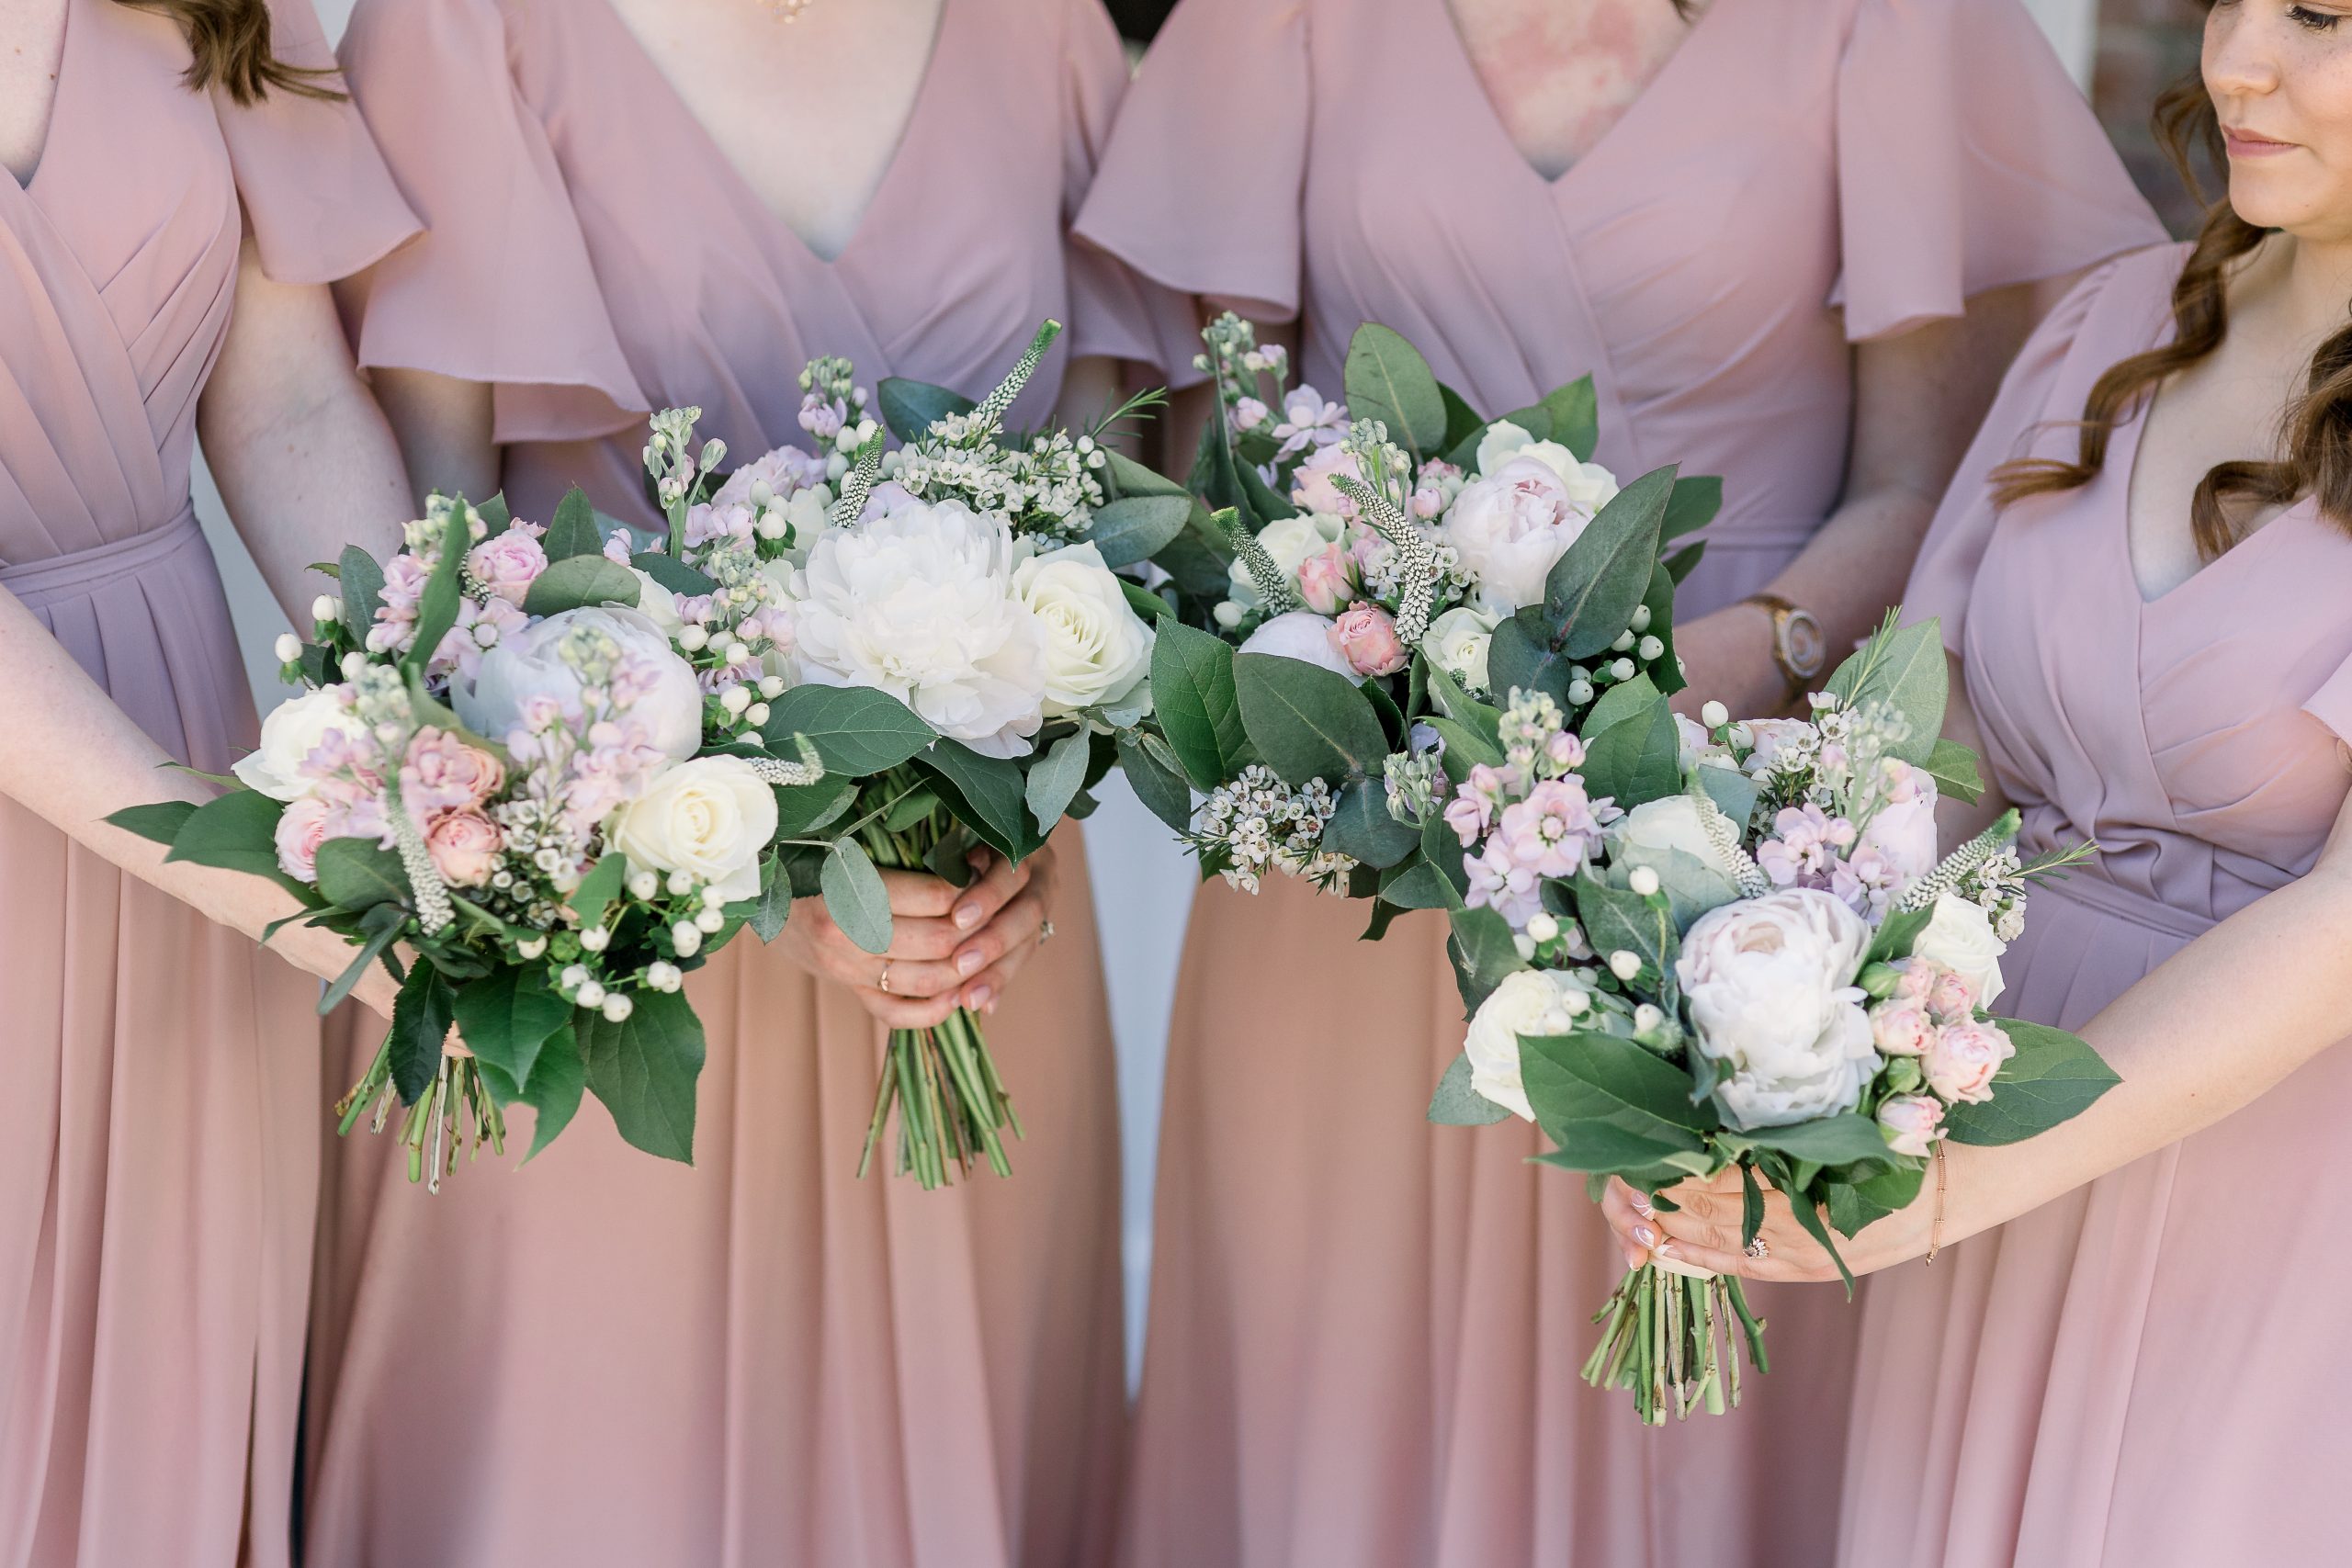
x=2149, y=1369
x=1789, y=243
x=602, y=1358
x=169, y=216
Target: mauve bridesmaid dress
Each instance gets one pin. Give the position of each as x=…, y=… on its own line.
x=158, y=1152
x=1366, y=1332
x=2150, y=1371
x=602, y=1358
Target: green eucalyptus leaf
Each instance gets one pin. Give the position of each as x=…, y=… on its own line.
x=573, y=531
x=856, y=897
x=988, y=793
x=1694, y=505
x=912, y=408
x=1306, y=722
x=2053, y=1077
x=1138, y=527
x=1953, y=767
x=600, y=888
x=1610, y=1105
x=578, y=581
x=359, y=582
x=1388, y=379
x=1575, y=411
x=1593, y=589
x=1483, y=953
x=673, y=573
x=357, y=874
x=856, y=730
x=1831, y=1142
x=507, y=1017
x=1362, y=828
x=1618, y=919
x=1456, y=1104
x=1198, y=706
x=805, y=810
x=1056, y=779
x=1905, y=668
x=160, y=823
x=1162, y=790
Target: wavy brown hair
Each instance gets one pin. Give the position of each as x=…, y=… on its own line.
x=230, y=40
x=2315, y=434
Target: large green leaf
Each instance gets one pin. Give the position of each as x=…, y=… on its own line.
x=912, y=408
x=1388, y=379
x=1456, y=1104
x=1666, y=670
x=1519, y=657
x=989, y=796
x=803, y=809
x=1694, y=505
x=1362, y=828
x=855, y=729
x=1953, y=767
x=237, y=831
x=160, y=823
x=1628, y=699
x=1483, y=953
x=600, y=888
x=1138, y=527
x=1195, y=699
x=436, y=605
x=1609, y=1104
x=1637, y=759
x=644, y=1069
x=767, y=912
x=2053, y=1077
x=553, y=1092
x=1881, y=1192
x=1904, y=668
x=1306, y=722
x=1419, y=885
x=421, y=1018
x=1464, y=748
x=1131, y=477
x=1617, y=919
x=1575, y=411
x=507, y=1017
x=360, y=582
x=856, y=897
x=1592, y=593
x=1161, y=789
x=1734, y=792
x=673, y=573
x=357, y=874
x=581, y=580
x=573, y=531
x=1462, y=423
x=1055, y=780
x=1831, y=1141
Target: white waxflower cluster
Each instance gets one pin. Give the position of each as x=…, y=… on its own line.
x=1257, y=823
x=1046, y=489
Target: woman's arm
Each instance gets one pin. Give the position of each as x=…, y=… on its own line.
x=2207, y=1032
x=1918, y=399
x=302, y=455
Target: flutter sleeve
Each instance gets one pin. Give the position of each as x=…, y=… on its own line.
x=2026, y=421
x=316, y=194
x=500, y=289
x=1200, y=188
x=1967, y=161
x=1114, y=310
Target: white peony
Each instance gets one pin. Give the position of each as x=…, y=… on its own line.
x=709, y=816
x=658, y=605
x=1531, y=1002
x=1771, y=987
x=1588, y=485
x=1510, y=527
x=531, y=663
x=1672, y=822
x=1289, y=541
x=1304, y=636
x=1097, y=648
x=292, y=732
x=919, y=603
x=1459, y=642
x=1960, y=936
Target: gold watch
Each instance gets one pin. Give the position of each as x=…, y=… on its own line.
x=1798, y=645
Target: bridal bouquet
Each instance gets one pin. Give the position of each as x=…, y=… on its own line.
x=1747, y=953
x=941, y=624
x=1374, y=573
x=503, y=764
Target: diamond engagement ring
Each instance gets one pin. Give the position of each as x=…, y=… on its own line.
x=1757, y=1249
x=883, y=985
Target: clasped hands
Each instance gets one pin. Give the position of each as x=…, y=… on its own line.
x=1702, y=1231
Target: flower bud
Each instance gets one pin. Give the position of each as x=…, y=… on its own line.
x=1879, y=980
x=735, y=699
x=352, y=664
x=1580, y=693
x=574, y=976
x=1575, y=1003
x=617, y=1008
x=1625, y=964
x=756, y=714
x=288, y=647
x=735, y=653
x=1624, y=643
x=1715, y=716
x=1647, y=1018
x=590, y=996
x=644, y=884
x=1526, y=946
x=326, y=607
x=771, y=686
x=772, y=524
x=1543, y=927
x=596, y=938
x=1227, y=614
x=531, y=946
x=711, y=921
x=1650, y=651
x=1641, y=617
x=714, y=896
x=692, y=638
x=1643, y=882
x=680, y=884
x=685, y=936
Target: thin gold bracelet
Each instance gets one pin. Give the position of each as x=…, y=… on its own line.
x=1936, y=1229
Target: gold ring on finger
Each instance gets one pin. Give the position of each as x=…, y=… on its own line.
x=884, y=983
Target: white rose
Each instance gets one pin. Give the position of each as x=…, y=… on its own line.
x=1289, y=541
x=1510, y=527
x=1304, y=636
x=1531, y=1002
x=709, y=816
x=1770, y=985
x=1097, y=648
x=292, y=732
x=1458, y=643
x=531, y=663
x=1670, y=823
x=1960, y=937
x=920, y=604
x=1588, y=485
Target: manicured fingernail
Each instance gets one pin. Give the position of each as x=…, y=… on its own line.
x=966, y=916
x=1641, y=1206
x=1645, y=1236
x=1666, y=1249
x=969, y=961
x=983, y=996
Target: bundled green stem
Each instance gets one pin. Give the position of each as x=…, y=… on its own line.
x=952, y=1108
x=1668, y=1337
x=432, y=1130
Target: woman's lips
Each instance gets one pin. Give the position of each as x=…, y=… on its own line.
x=2252, y=144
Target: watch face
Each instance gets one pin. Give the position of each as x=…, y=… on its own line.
x=1803, y=645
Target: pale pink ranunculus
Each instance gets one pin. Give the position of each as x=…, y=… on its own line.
x=1902, y=1028
x=464, y=846
x=442, y=772
x=1952, y=998
x=1960, y=1065
x=1327, y=579
x=302, y=828
x=507, y=564
x=1912, y=1122
x=1366, y=638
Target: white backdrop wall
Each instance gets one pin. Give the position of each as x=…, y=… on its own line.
x=1143, y=887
